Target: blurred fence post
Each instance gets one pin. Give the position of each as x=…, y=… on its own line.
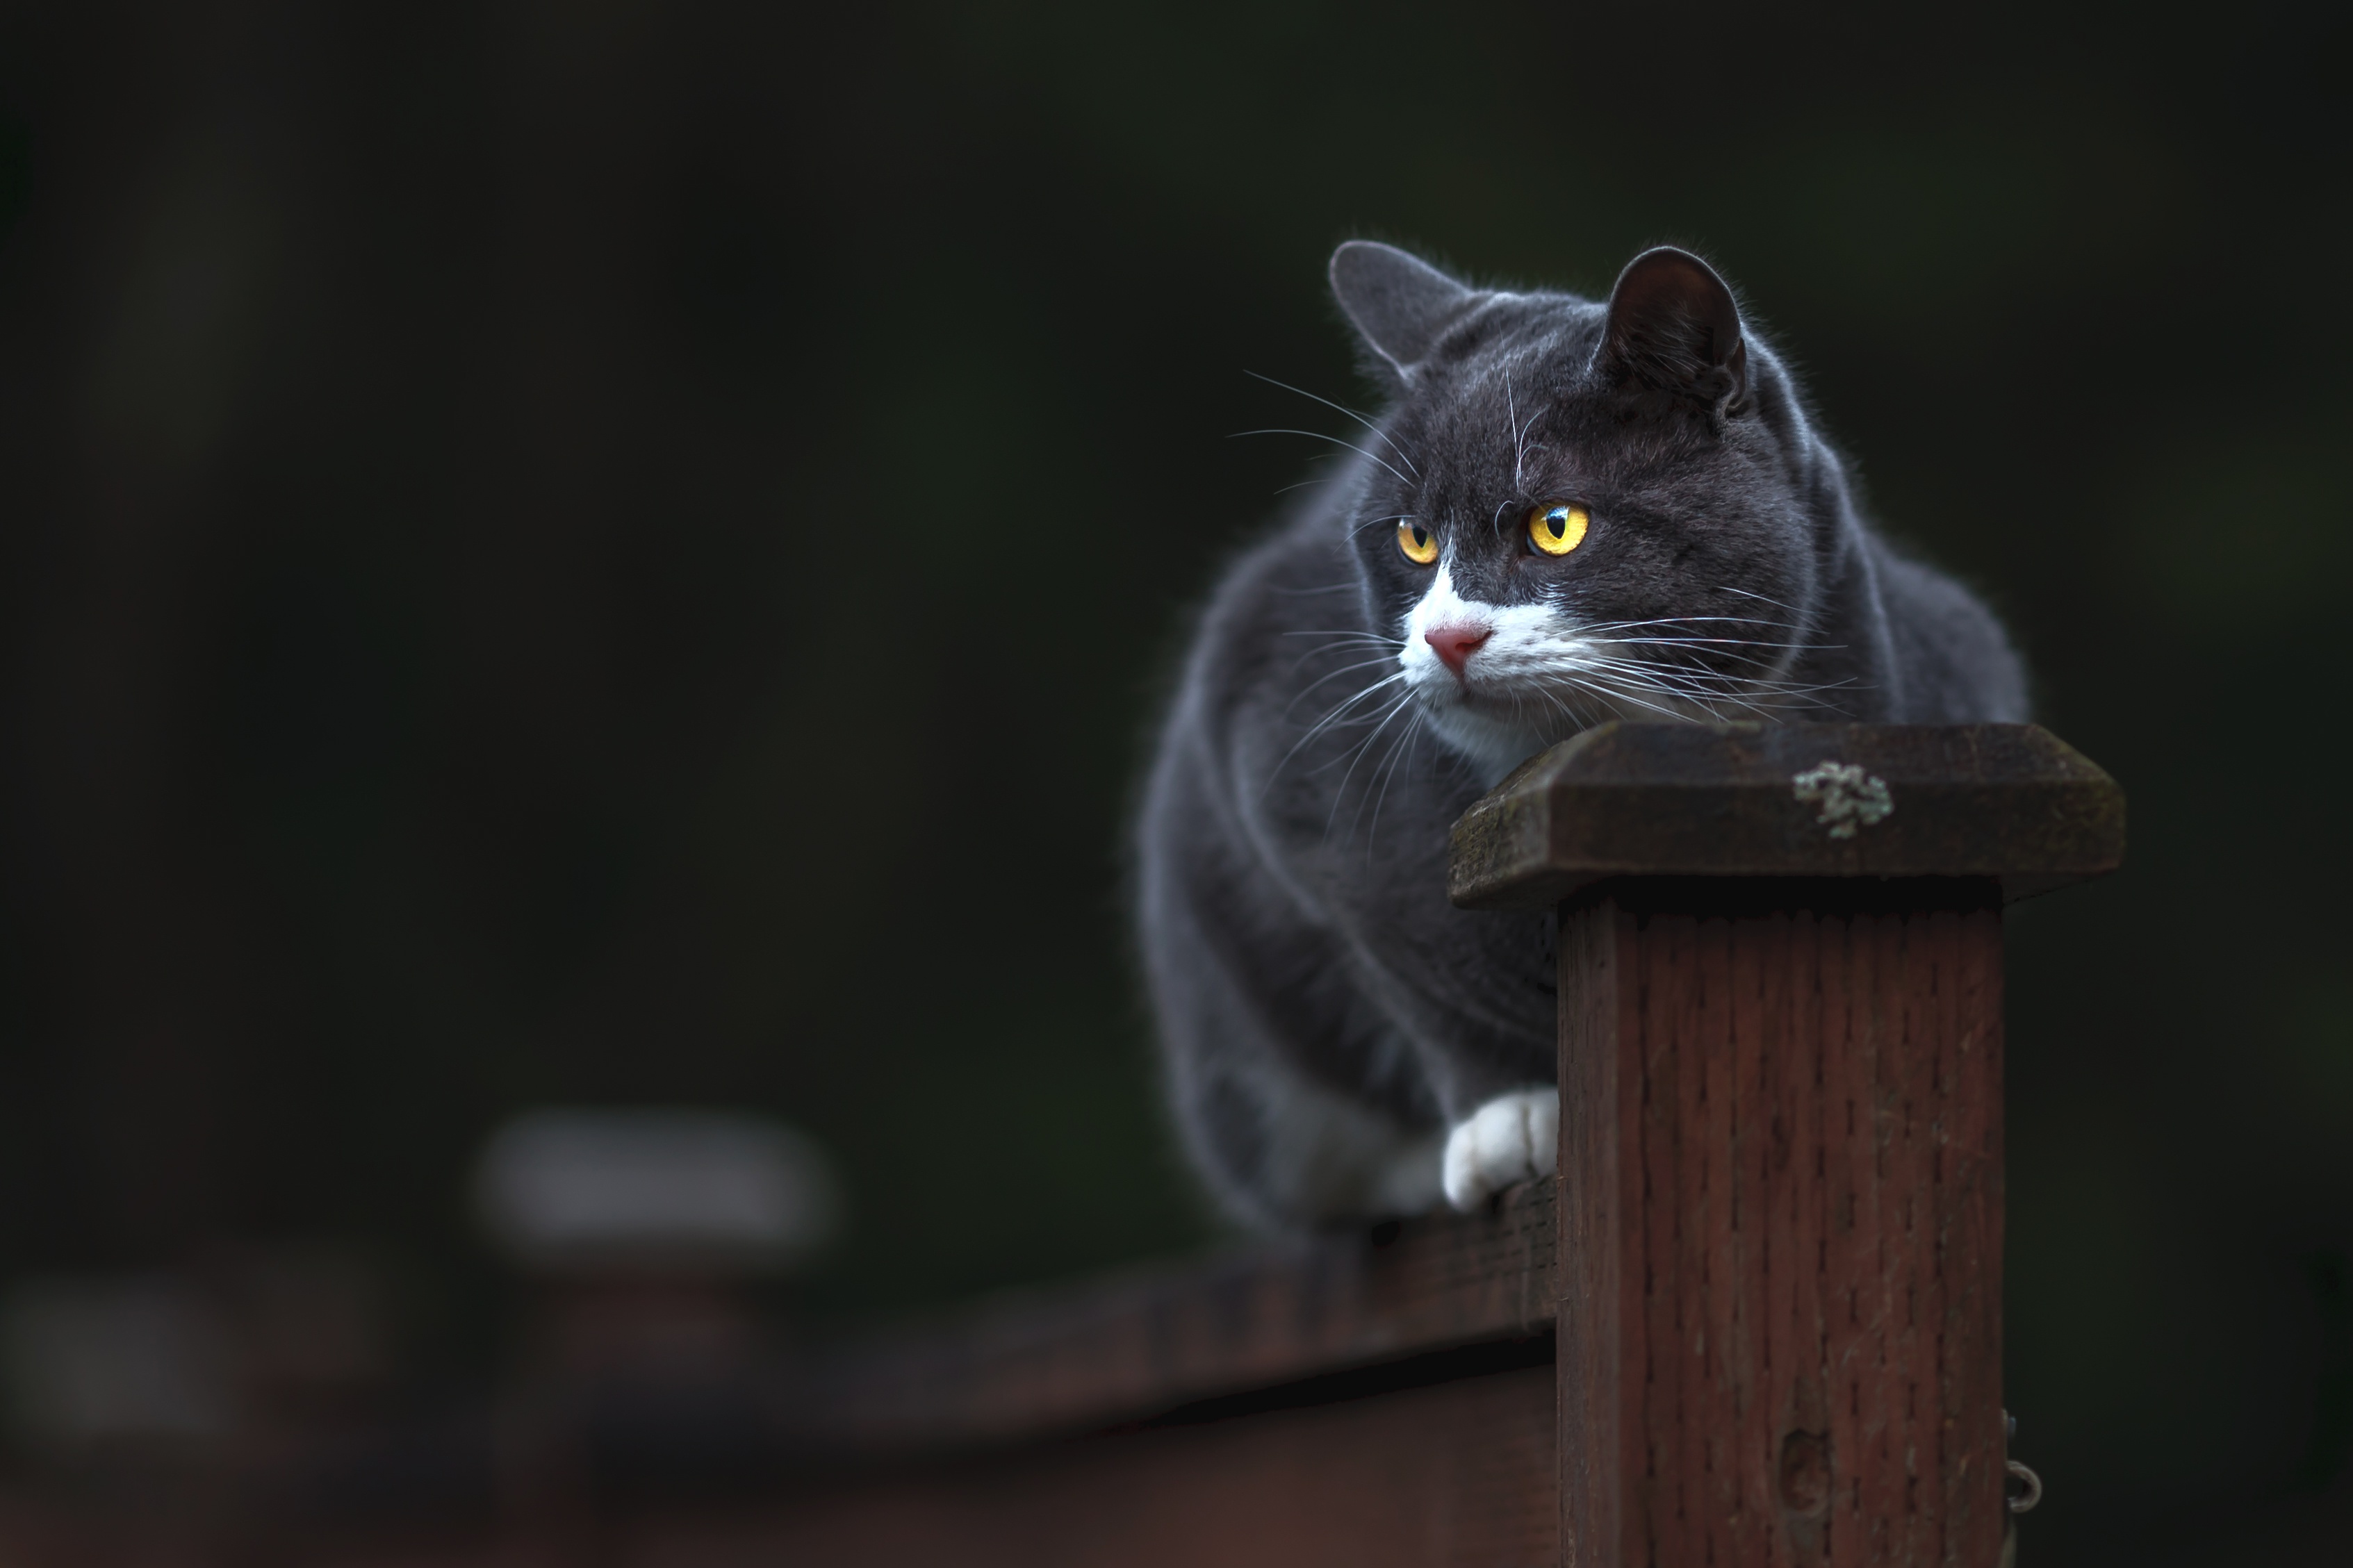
x=1779, y=1315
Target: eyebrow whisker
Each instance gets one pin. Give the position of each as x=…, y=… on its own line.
x=1403, y=456
x=1319, y=436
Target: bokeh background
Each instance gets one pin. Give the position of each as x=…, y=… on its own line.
x=615, y=553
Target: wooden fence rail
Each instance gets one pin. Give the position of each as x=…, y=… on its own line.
x=1756, y=1319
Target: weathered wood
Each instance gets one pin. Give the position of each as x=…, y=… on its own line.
x=1122, y=1350
x=2011, y=801
x=1779, y=1332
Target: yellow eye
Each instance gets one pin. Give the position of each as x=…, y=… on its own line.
x=1420, y=545
x=1557, y=529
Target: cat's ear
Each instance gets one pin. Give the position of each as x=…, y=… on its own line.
x=1399, y=302
x=1673, y=328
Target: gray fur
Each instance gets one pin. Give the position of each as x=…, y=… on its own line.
x=1327, y=1015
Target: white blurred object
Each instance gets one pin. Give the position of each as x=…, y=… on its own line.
x=569, y=1190
x=89, y=1360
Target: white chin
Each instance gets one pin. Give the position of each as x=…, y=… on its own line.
x=1493, y=746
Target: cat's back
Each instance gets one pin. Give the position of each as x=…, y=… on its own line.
x=1957, y=663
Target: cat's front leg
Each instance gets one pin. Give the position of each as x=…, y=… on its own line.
x=1511, y=1139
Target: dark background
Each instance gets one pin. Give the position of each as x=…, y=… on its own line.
x=613, y=553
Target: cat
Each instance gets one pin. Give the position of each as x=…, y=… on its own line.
x=1569, y=511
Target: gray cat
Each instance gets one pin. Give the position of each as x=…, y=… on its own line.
x=1569, y=512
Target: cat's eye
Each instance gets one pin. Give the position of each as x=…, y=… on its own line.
x=1420, y=545
x=1557, y=527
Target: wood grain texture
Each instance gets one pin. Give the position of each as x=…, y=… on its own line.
x=1453, y=1474
x=2008, y=802
x=1127, y=1349
x=1780, y=1318
x=1596, y=1437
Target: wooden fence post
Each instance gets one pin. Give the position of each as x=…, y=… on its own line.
x=1780, y=1180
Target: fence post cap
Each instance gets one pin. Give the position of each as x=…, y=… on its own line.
x=2011, y=801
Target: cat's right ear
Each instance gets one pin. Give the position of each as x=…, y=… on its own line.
x=1674, y=330
x=1399, y=304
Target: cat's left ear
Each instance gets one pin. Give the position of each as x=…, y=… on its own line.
x=1399, y=302
x=1673, y=328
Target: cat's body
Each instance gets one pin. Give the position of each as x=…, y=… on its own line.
x=1570, y=512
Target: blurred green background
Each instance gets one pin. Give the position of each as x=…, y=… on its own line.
x=624, y=553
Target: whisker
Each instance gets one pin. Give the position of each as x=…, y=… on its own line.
x=1403, y=454
x=1576, y=719
x=1697, y=680
x=1352, y=642
x=1319, y=436
x=1338, y=711
x=1511, y=423
x=1341, y=791
x=1717, y=650
x=1615, y=691
x=1519, y=438
x=1761, y=598
x=1726, y=642
x=1343, y=670
x=1683, y=620
x=1762, y=698
x=1379, y=722
x=1379, y=657
x=1334, y=715
x=1387, y=772
x=1700, y=672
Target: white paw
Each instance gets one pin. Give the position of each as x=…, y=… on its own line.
x=1513, y=1138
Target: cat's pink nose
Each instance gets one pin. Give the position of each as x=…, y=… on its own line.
x=1455, y=645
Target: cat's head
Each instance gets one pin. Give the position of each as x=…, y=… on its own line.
x=1576, y=511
